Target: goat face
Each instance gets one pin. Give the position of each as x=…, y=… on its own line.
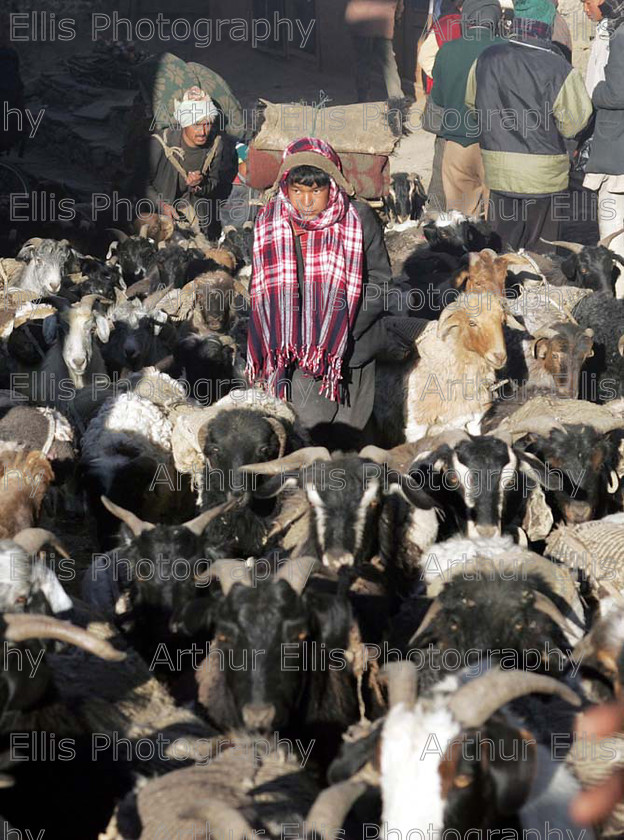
x=132, y=341
x=478, y=320
x=136, y=256
x=482, y=772
x=42, y=274
x=474, y=481
x=157, y=569
x=577, y=468
x=234, y=438
x=593, y=267
x=345, y=497
x=563, y=354
x=78, y=325
x=404, y=200
x=268, y=638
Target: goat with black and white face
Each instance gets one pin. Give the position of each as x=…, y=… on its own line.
x=592, y=266
x=275, y=658
x=345, y=496
x=480, y=483
x=405, y=199
x=577, y=467
x=136, y=255
x=492, y=767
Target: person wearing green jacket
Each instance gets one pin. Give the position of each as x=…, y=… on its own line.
x=462, y=167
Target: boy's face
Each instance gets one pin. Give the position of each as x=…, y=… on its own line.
x=591, y=9
x=309, y=201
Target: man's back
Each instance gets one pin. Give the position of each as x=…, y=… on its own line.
x=528, y=99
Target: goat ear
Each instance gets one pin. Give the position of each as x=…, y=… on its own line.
x=446, y=324
x=512, y=780
x=540, y=348
x=408, y=487
x=102, y=328
x=49, y=329
x=461, y=278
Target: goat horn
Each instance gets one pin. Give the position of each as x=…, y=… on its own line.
x=280, y=433
x=300, y=458
x=331, y=807
x=119, y=234
x=198, y=523
x=225, y=822
x=32, y=539
x=621, y=345
x=476, y=701
x=24, y=626
x=297, y=572
x=434, y=610
x=376, y=454
x=136, y=525
x=575, y=247
x=614, y=482
x=143, y=231
x=609, y=239
x=401, y=678
x=224, y=570
x=545, y=605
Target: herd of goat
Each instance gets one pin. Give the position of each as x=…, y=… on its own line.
x=273, y=631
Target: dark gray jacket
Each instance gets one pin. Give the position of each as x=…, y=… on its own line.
x=607, y=149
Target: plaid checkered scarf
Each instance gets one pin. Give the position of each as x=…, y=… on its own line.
x=311, y=333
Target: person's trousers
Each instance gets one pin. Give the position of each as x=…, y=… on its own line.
x=523, y=222
x=435, y=192
x=369, y=51
x=610, y=219
x=463, y=178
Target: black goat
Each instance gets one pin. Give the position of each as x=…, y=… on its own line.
x=591, y=266
x=602, y=378
x=239, y=243
x=137, y=257
x=577, y=468
x=209, y=366
x=153, y=580
x=406, y=198
x=140, y=337
x=277, y=661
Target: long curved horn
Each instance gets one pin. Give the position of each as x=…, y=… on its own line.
x=297, y=572
x=23, y=626
x=296, y=460
x=375, y=453
x=609, y=239
x=136, y=525
x=32, y=540
x=225, y=822
x=614, y=482
x=143, y=231
x=280, y=433
x=331, y=807
x=224, y=571
x=119, y=234
x=545, y=605
x=198, y=523
x=575, y=247
x=401, y=678
x=431, y=613
x=476, y=701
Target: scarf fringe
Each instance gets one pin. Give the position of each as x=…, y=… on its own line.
x=314, y=361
